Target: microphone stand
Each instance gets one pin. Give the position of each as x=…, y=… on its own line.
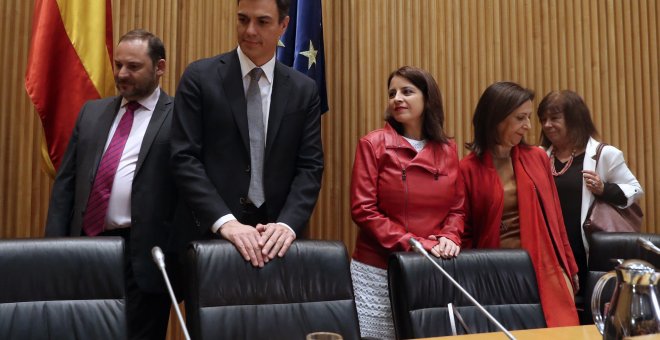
x=419, y=249
x=648, y=245
x=159, y=258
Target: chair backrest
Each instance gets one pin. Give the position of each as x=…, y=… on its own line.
x=69, y=288
x=503, y=281
x=606, y=246
x=308, y=290
x=603, y=249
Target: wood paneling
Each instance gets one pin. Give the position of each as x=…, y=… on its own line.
x=606, y=50
x=24, y=189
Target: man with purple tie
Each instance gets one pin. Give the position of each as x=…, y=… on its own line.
x=115, y=179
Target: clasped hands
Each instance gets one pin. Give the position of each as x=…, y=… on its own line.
x=445, y=247
x=258, y=244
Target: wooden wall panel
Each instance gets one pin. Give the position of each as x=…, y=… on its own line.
x=607, y=50
x=23, y=186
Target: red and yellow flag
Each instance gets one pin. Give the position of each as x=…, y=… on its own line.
x=70, y=62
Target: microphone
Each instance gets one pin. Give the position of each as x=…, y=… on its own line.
x=420, y=249
x=159, y=259
x=158, y=256
x=648, y=245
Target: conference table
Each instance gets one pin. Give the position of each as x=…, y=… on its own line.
x=586, y=332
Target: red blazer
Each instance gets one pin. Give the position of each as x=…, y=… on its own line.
x=542, y=230
x=397, y=193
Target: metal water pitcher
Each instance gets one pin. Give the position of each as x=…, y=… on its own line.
x=633, y=309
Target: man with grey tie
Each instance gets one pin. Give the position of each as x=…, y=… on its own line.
x=246, y=142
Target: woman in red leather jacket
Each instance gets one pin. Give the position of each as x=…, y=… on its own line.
x=405, y=184
x=513, y=200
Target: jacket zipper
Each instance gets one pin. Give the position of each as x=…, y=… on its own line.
x=405, y=196
x=405, y=190
x=436, y=174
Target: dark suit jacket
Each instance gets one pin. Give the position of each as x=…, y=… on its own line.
x=153, y=195
x=211, y=149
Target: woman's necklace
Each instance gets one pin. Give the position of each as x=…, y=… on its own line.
x=563, y=170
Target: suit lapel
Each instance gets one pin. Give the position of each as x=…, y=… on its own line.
x=589, y=162
x=102, y=127
x=231, y=77
x=157, y=118
x=278, y=99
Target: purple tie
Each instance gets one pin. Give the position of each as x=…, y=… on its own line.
x=97, y=205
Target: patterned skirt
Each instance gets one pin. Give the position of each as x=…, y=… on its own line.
x=372, y=300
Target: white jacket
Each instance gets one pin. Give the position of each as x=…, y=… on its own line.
x=612, y=168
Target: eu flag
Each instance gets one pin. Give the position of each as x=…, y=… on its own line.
x=301, y=46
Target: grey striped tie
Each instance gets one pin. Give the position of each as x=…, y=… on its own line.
x=255, y=116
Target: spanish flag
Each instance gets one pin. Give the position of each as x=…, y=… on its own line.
x=70, y=62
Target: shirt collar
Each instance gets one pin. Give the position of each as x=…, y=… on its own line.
x=149, y=102
x=247, y=65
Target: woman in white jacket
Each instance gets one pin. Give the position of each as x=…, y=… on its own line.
x=568, y=136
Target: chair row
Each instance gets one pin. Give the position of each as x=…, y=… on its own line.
x=503, y=281
x=73, y=288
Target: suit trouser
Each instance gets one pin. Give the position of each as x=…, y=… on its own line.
x=147, y=314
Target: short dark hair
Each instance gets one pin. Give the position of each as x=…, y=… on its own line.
x=495, y=104
x=579, y=126
x=156, y=48
x=282, y=8
x=433, y=116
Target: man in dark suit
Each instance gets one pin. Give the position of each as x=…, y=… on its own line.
x=115, y=179
x=246, y=141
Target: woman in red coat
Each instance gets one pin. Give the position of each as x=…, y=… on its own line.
x=405, y=184
x=511, y=199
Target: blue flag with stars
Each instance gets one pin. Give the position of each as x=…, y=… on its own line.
x=301, y=46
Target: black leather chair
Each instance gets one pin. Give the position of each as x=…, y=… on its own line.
x=604, y=248
x=308, y=290
x=503, y=281
x=71, y=288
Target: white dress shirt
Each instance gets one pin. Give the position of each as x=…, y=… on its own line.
x=265, y=82
x=119, y=204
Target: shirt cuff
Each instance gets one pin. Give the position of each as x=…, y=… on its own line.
x=230, y=217
x=286, y=225
x=221, y=221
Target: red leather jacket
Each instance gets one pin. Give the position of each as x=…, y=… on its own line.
x=397, y=193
